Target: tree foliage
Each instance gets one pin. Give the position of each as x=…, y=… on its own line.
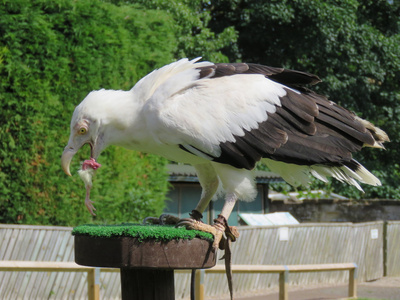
x=195, y=38
x=52, y=53
x=353, y=45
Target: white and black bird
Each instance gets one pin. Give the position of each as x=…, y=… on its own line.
x=223, y=119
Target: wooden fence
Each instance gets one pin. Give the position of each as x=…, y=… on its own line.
x=392, y=248
x=372, y=246
x=46, y=243
x=283, y=271
x=93, y=274
x=319, y=243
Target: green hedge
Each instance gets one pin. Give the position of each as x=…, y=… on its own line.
x=52, y=53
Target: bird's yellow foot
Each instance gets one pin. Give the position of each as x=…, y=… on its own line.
x=194, y=223
x=216, y=230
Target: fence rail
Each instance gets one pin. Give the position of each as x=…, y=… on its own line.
x=283, y=271
x=93, y=274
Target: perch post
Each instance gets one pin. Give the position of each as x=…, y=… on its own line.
x=147, y=263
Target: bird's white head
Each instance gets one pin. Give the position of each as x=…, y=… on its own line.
x=85, y=129
x=95, y=121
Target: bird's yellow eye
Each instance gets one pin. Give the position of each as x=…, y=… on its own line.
x=82, y=130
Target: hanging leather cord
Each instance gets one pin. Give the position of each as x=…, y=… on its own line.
x=192, y=284
x=232, y=234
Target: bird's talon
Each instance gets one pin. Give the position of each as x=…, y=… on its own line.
x=152, y=220
x=167, y=219
x=187, y=225
x=164, y=219
x=186, y=220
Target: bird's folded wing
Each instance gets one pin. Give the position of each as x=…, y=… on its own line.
x=209, y=112
x=237, y=115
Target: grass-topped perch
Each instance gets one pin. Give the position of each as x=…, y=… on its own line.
x=141, y=232
x=146, y=255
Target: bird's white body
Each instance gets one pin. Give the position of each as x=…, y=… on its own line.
x=221, y=123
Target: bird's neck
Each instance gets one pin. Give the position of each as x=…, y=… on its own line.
x=122, y=123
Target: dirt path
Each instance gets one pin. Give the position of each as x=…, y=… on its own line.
x=387, y=288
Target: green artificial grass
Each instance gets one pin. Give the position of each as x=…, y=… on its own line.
x=141, y=232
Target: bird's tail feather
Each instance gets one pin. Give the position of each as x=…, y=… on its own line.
x=378, y=134
x=353, y=173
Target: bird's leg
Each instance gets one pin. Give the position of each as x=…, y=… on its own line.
x=220, y=224
x=196, y=215
x=222, y=221
x=231, y=235
x=209, y=182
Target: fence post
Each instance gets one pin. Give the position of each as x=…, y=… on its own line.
x=199, y=284
x=283, y=284
x=353, y=282
x=385, y=248
x=93, y=282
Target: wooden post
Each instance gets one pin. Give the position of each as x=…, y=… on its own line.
x=199, y=285
x=146, y=267
x=149, y=284
x=353, y=282
x=385, y=248
x=283, y=284
x=93, y=284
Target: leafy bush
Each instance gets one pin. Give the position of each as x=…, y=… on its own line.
x=52, y=53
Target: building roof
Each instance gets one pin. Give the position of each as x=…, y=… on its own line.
x=186, y=173
x=292, y=197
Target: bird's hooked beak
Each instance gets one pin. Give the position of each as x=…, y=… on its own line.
x=66, y=159
x=69, y=153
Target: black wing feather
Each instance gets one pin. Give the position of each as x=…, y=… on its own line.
x=284, y=76
x=306, y=129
